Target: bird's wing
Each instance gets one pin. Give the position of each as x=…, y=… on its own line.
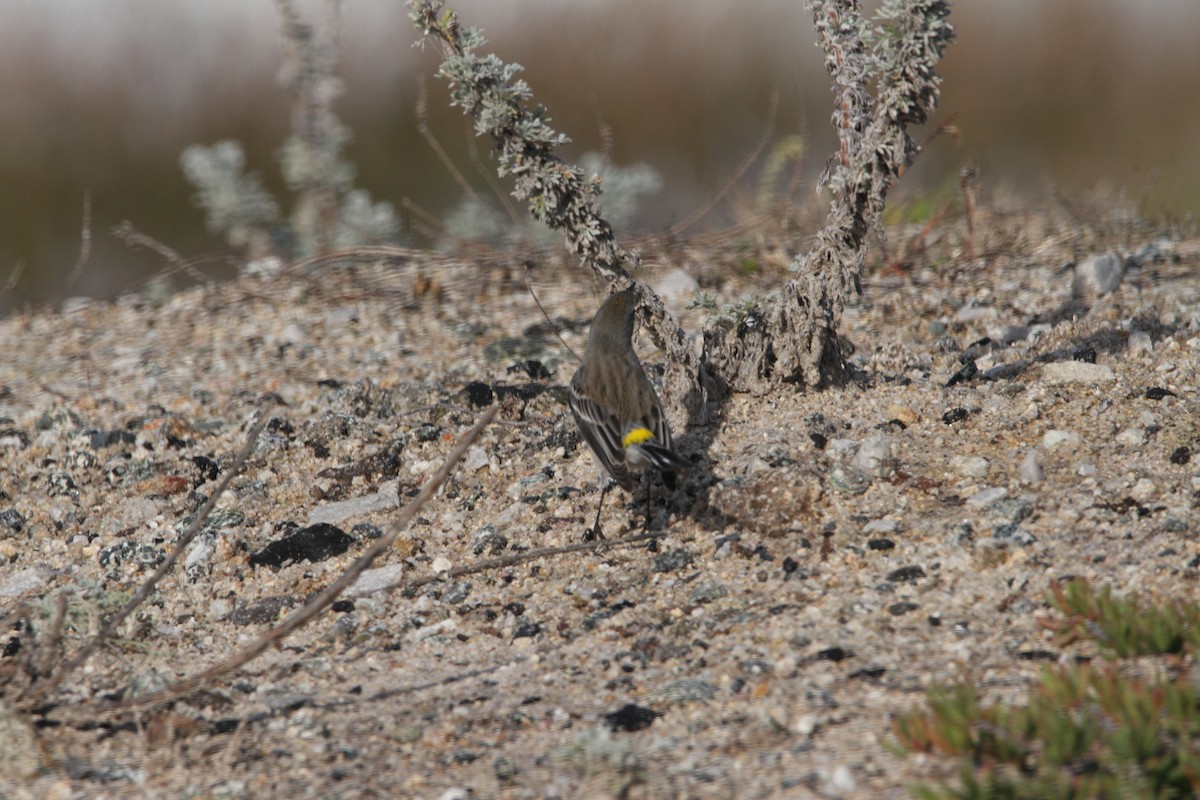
x=602, y=436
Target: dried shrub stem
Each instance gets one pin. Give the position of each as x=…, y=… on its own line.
x=558, y=194
x=791, y=336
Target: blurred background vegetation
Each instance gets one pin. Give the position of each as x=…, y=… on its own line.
x=100, y=97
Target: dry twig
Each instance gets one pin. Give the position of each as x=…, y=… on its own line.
x=110, y=626
x=302, y=616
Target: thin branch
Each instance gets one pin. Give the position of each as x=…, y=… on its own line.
x=422, y=111
x=736, y=176
x=512, y=559
x=13, y=277
x=297, y=619
x=501, y=196
x=553, y=326
x=436, y=224
x=85, y=243
x=135, y=238
x=147, y=588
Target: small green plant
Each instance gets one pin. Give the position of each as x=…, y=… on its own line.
x=1122, y=626
x=1088, y=730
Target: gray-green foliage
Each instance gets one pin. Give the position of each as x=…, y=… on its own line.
x=328, y=212
x=624, y=187
x=884, y=79
x=235, y=203
x=558, y=194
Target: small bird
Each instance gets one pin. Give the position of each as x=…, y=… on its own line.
x=616, y=408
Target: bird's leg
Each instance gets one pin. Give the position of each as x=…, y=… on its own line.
x=646, y=522
x=595, y=532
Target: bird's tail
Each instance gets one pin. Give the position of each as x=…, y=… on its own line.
x=662, y=458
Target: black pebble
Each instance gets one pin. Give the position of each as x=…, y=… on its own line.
x=479, y=394
x=314, y=543
x=631, y=718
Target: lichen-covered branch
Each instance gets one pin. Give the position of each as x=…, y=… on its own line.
x=791, y=336
x=558, y=193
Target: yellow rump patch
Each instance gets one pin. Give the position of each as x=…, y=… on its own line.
x=636, y=436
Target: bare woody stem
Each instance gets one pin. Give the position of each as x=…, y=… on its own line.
x=791, y=337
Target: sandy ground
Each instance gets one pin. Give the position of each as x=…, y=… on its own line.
x=829, y=556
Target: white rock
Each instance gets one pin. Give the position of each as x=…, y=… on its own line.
x=30, y=579
x=885, y=525
x=475, y=460
x=372, y=580
x=973, y=313
x=676, y=287
x=1139, y=341
x=1059, y=372
x=1132, y=437
x=970, y=466
x=874, y=457
x=842, y=782
x=442, y=564
x=333, y=513
x=1030, y=470
x=1143, y=490
x=1055, y=439
x=1009, y=333
x=448, y=625
x=841, y=449
x=1098, y=275
x=292, y=333
x=986, y=497
x=218, y=609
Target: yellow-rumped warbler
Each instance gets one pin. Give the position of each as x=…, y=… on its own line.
x=615, y=406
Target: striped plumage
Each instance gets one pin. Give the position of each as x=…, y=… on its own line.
x=613, y=402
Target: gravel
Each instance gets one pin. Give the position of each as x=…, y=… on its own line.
x=792, y=601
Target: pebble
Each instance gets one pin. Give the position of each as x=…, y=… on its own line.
x=488, y=539
x=1009, y=510
x=975, y=313
x=1132, y=437
x=874, y=457
x=970, y=466
x=1014, y=534
x=30, y=579
x=1143, y=490
x=884, y=525
x=387, y=497
x=1062, y=372
x=841, y=449
x=475, y=460
x=1031, y=471
x=902, y=413
x=1054, y=439
x=849, y=478
x=842, y=782
x=986, y=497
x=372, y=580
x=1098, y=275
x=219, y=609
x=1008, y=334
x=448, y=625
x=1140, y=342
